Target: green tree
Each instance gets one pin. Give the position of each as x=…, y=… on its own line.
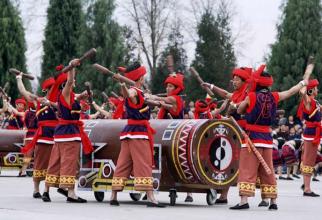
x=12, y=45
x=299, y=36
x=215, y=57
x=108, y=37
x=175, y=47
x=62, y=34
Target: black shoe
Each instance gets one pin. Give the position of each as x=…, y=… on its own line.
x=189, y=199
x=281, y=178
x=296, y=176
x=289, y=178
x=311, y=194
x=45, y=197
x=240, y=207
x=157, y=205
x=63, y=192
x=315, y=179
x=302, y=187
x=22, y=174
x=78, y=200
x=145, y=197
x=273, y=207
x=221, y=201
x=263, y=204
x=36, y=195
x=114, y=203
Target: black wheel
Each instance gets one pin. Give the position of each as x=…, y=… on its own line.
x=173, y=197
x=29, y=173
x=135, y=196
x=99, y=196
x=211, y=197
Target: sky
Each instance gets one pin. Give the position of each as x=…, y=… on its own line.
x=255, y=19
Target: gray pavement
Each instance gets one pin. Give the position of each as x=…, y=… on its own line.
x=16, y=203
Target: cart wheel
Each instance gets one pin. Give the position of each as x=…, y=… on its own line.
x=135, y=196
x=29, y=173
x=211, y=197
x=173, y=197
x=99, y=196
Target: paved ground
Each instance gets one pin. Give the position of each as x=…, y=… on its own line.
x=16, y=203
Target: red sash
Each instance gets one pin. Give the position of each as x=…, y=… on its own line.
x=87, y=144
x=41, y=124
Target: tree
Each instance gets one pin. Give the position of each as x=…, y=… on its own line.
x=176, y=49
x=151, y=19
x=215, y=57
x=110, y=41
x=12, y=45
x=62, y=34
x=299, y=36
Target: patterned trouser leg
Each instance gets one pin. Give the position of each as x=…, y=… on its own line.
x=41, y=160
x=308, y=158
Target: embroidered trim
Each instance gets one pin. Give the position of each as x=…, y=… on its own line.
x=247, y=187
x=307, y=169
x=53, y=179
x=39, y=173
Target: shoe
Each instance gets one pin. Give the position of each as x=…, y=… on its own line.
x=45, y=197
x=302, y=187
x=240, y=207
x=263, y=203
x=63, y=192
x=289, y=178
x=311, y=194
x=114, y=203
x=145, y=197
x=188, y=199
x=273, y=207
x=281, y=178
x=157, y=205
x=315, y=179
x=296, y=176
x=78, y=200
x=221, y=201
x=36, y=195
x=22, y=174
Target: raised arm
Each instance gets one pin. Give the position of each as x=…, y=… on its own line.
x=219, y=91
x=292, y=91
x=13, y=110
x=70, y=81
x=28, y=95
x=101, y=110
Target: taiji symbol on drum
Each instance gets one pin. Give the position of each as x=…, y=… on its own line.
x=220, y=153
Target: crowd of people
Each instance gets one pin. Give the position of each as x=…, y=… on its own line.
x=54, y=130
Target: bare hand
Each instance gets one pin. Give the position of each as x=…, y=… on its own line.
x=75, y=62
x=206, y=85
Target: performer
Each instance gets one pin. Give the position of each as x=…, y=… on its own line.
x=310, y=111
x=174, y=86
x=17, y=114
x=259, y=108
x=42, y=141
x=31, y=124
x=84, y=111
x=136, y=141
x=63, y=165
x=241, y=77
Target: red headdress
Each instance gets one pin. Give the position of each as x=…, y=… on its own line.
x=85, y=105
x=261, y=80
x=47, y=83
x=202, y=107
x=136, y=74
x=60, y=79
x=21, y=101
x=312, y=83
x=176, y=80
x=245, y=74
